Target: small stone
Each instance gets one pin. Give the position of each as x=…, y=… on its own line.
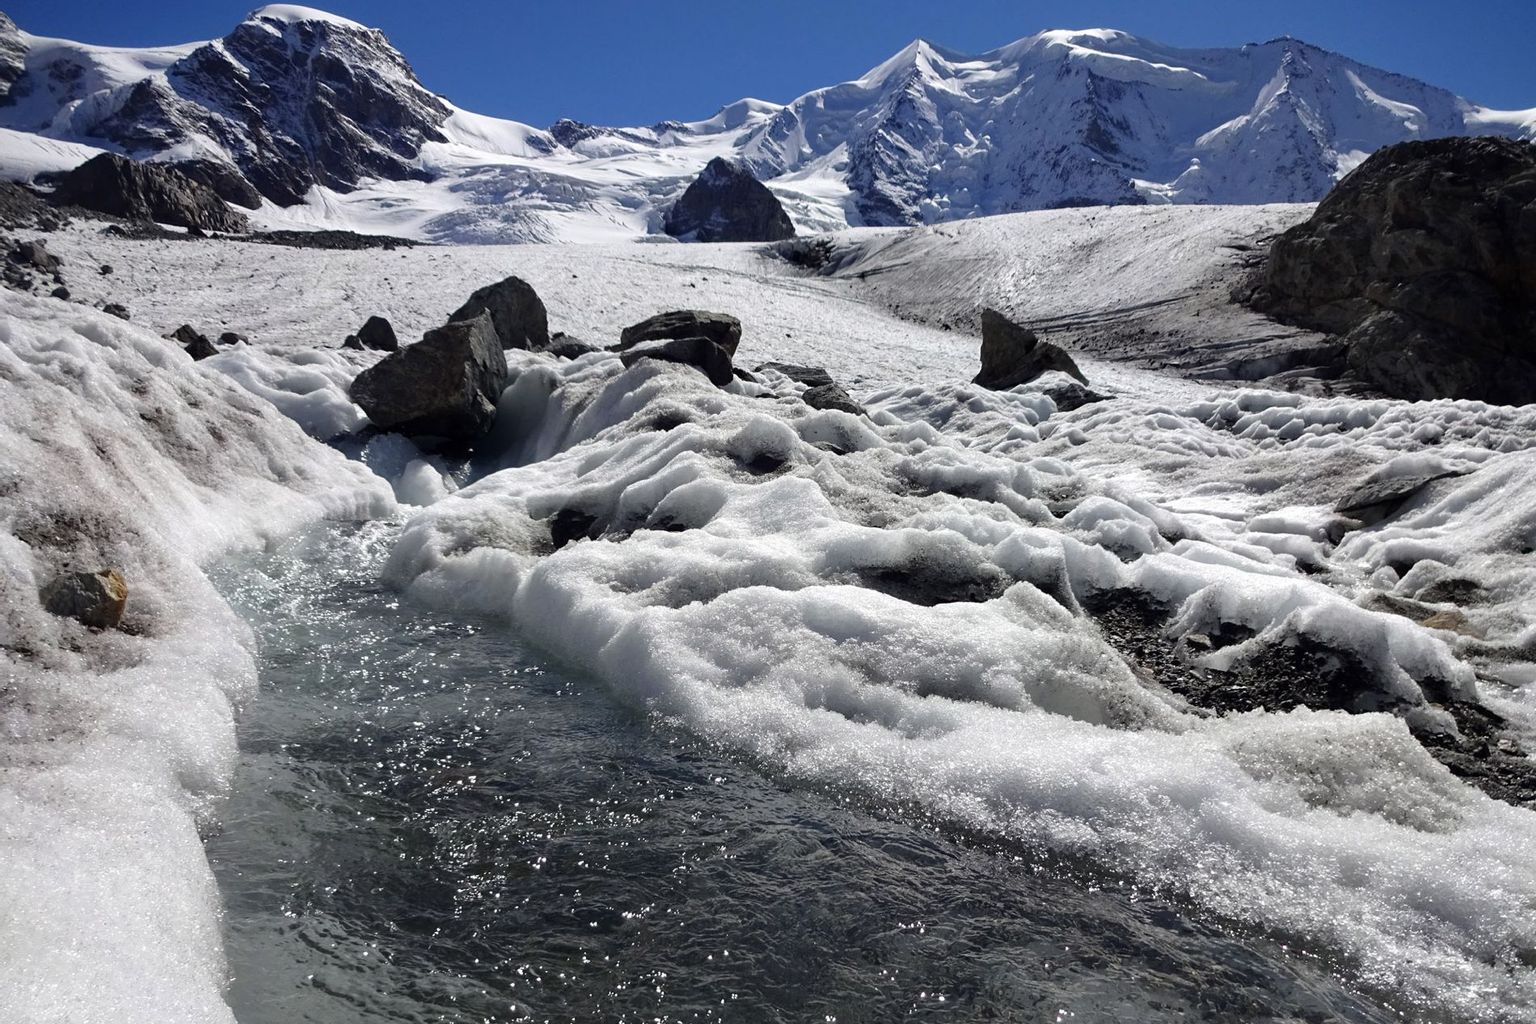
x=106, y=269
x=832, y=396
x=60, y=293
x=95, y=599
x=193, y=341
x=116, y=309
x=377, y=334
x=233, y=338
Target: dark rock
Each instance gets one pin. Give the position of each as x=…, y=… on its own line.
x=1423, y=260
x=35, y=255
x=563, y=346
x=330, y=239
x=832, y=396
x=95, y=599
x=727, y=204
x=106, y=269
x=138, y=191
x=1069, y=395
x=1013, y=355
x=60, y=293
x=703, y=353
x=353, y=342
x=116, y=309
x=193, y=341
x=377, y=334
x=224, y=180
x=233, y=338
x=516, y=311
x=1375, y=500
x=810, y=376
x=443, y=389
x=721, y=328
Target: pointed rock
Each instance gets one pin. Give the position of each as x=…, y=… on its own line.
x=1013, y=355
x=517, y=313
x=441, y=390
x=726, y=203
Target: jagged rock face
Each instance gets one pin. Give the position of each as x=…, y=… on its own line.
x=441, y=390
x=1424, y=261
x=126, y=188
x=294, y=102
x=224, y=179
x=13, y=55
x=726, y=203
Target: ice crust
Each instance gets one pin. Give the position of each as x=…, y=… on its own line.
x=117, y=450
x=735, y=588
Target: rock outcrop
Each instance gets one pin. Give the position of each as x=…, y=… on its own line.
x=701, y=353
x=95, y=599
x=440, y=391
x=125, y=188
x=726, y=203
x=1423, y=261
x=517, y=313
x=721, y=328
x=1012, y=355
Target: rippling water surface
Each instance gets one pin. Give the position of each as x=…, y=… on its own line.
x=433, y=822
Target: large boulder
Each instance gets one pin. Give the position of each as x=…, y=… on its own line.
x=700, y=353
x=726, y=203
x=721, y=328
x=440, y=391
x=1423, y=261
x=139, y=191
x=1012, y=355
x=516, y=311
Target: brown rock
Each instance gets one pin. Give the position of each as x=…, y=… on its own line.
x=95, y=599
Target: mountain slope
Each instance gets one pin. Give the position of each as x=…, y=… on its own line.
x=329, y=122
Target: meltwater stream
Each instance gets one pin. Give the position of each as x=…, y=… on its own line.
x=432, y=822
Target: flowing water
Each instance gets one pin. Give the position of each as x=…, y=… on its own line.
x=433, y=822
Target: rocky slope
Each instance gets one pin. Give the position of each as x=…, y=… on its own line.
x=308, y=108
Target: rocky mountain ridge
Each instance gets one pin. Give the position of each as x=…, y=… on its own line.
x=323, y=115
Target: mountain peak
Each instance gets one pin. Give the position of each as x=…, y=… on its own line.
x=292, y=14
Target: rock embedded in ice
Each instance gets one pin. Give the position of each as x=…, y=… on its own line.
x=725, y=203
x=35, y=255
x=701, y=353
x=60, y=293
x=517, y=313
x=1013, y=355
x=116, y=309
x=141, y=191
x=810, y=376
x=233, y=338
x=95, y=599
x=441, y=390
x=721, y=328
x=377, y=334
x=832, y=396
x=1376, y=500
x=193, y=341
x=564, y=346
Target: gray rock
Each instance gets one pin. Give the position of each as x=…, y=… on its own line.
x=224, y=180
x=1375, y=500
x=516, y=312
x=139, y=191
x=563, y=346
x=810, y=376
x=721, y=328
x=727, y=204
x=95, y=599
x=441, y=390
x=1012, y=355
x=35, y=255
x=60, y=293
x=832, y=396
x=702, y=353
x=1423, y=261
x=1069, y=395
x=116, y=309
x=233, y=338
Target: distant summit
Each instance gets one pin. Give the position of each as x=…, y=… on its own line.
x=304, y=107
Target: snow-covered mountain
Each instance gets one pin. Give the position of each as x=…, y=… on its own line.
x=330, y=125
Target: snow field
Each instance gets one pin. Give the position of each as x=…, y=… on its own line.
x=116, y=450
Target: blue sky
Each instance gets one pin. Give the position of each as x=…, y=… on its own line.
x=617, y=62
